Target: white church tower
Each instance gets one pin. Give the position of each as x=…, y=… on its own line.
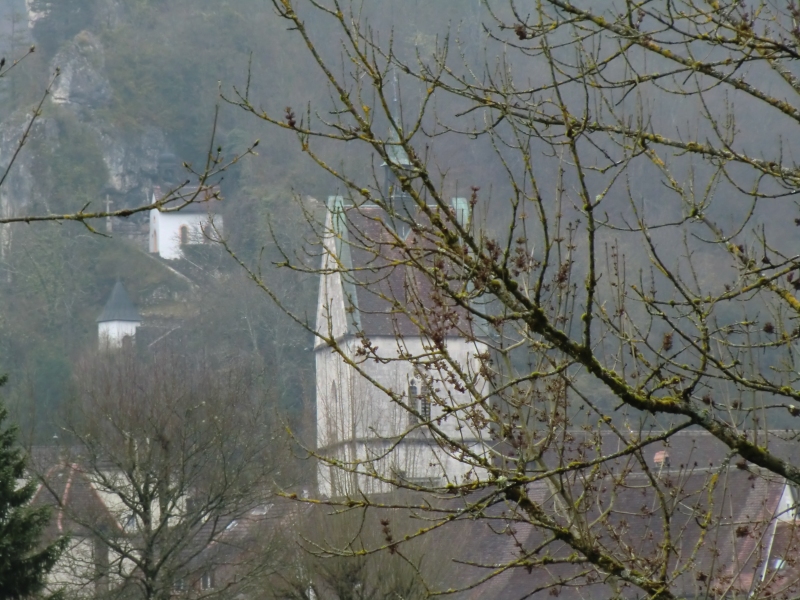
x=117, y=324
x=359, y=426
x=368, y=438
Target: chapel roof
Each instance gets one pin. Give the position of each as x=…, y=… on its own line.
x=119, y=307
x=202, y=199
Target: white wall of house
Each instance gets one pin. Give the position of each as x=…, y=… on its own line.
x=169, y=231
x=74, y=568
x=111, y=334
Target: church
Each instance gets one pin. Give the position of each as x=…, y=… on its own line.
x=380, y=313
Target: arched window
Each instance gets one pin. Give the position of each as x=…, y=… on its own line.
x=333, y=412
x=425, y=403
x=184, y=235
x=413, y=392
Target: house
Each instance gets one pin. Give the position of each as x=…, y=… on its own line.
x=174, y=226
x=719, y=528
x=104, y=536
x=79, y=512
x=380, y=312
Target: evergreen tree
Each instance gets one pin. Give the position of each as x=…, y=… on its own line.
x=24, y=559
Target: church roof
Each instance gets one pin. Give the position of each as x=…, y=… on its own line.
x=385, y=294
x=203, y=200
x=119, y=307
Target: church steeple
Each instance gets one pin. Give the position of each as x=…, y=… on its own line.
x=400, y=205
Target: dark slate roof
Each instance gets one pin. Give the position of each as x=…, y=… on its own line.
x=472, y=552
x=119, y=307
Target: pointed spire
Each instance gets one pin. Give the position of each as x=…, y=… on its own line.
x=396, y=153
x=119, y=307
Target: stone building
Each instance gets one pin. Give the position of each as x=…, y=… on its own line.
x=380, y=312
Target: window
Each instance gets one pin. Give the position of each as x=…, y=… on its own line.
x=425, y=403
x=179, y=585
x=184, y=235
x=207, y=581
x=334, y=410
x=412, y=402
x=420, y=401
x=129, y=522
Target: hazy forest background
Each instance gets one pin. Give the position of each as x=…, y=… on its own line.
x=151, y=72
x=158, y=70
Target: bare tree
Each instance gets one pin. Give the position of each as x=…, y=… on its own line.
x=622, y=264
x=176, y=456
x=318, y=558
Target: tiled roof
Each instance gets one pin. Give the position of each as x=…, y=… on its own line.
x=77, y=507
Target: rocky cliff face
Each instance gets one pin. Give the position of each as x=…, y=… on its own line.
x=82, y=90
x=82, y=84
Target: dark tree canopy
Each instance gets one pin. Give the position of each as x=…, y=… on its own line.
x=24, y=559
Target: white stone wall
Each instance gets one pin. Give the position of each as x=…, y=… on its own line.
x=358, y=420
x=165, y=231
x=111, y=334
x=74, y=572
x=331, y=316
